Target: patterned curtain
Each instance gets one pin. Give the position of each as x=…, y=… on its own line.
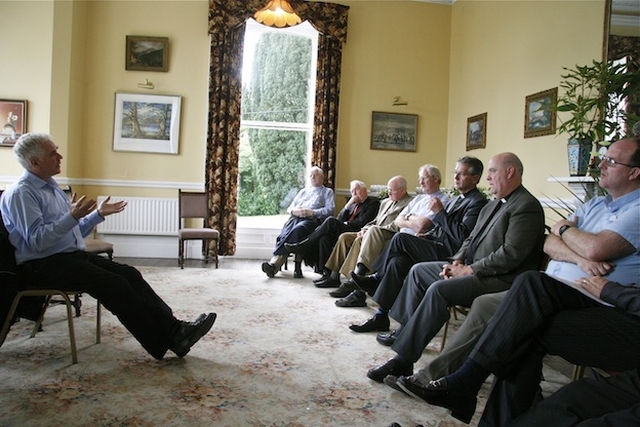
x=226, y=28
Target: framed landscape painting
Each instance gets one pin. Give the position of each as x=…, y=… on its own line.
x=393, y=131
x=147, y=53
x=477, y=131
x=146, y=123
x=539, y=118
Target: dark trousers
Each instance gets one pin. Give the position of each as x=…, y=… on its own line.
x=539, y=316
x=119, y=288
x=322, y=241
x=401, y=254
x=294, y=230
x=612, y=401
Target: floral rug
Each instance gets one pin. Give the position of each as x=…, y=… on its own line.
x=280, y=354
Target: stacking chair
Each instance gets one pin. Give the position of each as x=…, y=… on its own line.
x=194, y=205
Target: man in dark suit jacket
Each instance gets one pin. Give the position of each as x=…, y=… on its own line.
x=452, y=224
x=315, y=250
x=506, y=241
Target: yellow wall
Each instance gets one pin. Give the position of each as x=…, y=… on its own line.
x=447, y=62
x=502, y=51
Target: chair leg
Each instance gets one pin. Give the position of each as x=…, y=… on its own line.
x=98, y=320
x=181, y=253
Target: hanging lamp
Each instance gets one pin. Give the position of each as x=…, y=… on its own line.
x=277, y=13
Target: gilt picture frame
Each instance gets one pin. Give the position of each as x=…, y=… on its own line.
x=144, y=53
x=477, y=132
x=394, y=131
x=13, y=121
x=539, y=117
x=146, y=123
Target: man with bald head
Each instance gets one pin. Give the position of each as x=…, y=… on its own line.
x=349, y=246
x=506, y=241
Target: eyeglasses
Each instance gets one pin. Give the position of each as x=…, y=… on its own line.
x=456, y=173
x=611, y=162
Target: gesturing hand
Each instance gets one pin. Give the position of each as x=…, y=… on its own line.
x=81, y=207
x=105, y=209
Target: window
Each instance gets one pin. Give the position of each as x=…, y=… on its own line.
x=278, y=91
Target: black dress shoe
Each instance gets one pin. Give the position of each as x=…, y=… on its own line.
x=437, y=393
x=297, y=248
x=356, y=298
x=379, y=322
x=329, y=283
x=324, y=277
x=344, y=289
x=297, y=271
x=269, y=268
x=392, y=381
x=361, y=270
x=190, y=332
x=387, y=338
x=393, y=366
x=369, y=284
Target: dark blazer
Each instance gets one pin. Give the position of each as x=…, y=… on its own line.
x=508, y=243
x=367, y=212
x=451, y=227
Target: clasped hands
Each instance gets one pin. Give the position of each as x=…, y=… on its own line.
x=302, y=212
x=456, y=269
x=82, y=207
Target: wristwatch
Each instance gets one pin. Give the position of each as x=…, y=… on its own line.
x=563, y=229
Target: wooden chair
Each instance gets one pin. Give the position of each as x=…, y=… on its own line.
x=453, y=311
x=194, y=205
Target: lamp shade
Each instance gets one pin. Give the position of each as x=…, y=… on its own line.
x=277, y=13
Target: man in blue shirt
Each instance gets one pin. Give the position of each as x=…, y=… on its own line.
x=47, y=231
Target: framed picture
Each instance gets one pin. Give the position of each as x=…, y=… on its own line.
x=146, y=123
x=539, y=118
x=477, y=132
x=393, y=131
x=13, y=121
x=147, y=53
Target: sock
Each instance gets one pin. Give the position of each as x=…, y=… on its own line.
x=468, y=379
x=335, y=275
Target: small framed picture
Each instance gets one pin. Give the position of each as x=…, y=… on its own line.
x=13, y=121
x=477, y=132
x=147, y=53
x=146, y=123
x=393, y=131
x=539, y=118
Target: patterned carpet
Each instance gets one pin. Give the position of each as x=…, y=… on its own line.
x=280, y=354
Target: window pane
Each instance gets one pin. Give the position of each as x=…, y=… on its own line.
x=278, y=87
x=272, y=170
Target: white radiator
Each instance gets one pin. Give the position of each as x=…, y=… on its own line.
x=143, y=216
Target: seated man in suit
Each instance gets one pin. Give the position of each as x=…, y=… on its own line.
x=416, y=218
x=47, y=231
x=453, y=223
x=596, y=324
x=506, y=241
x=359, y=210
x=345, y=252
x=308, y=209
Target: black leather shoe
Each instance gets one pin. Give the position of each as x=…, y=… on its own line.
x=392, y=381
x=329, y=283
x=393, y=366
x=344, y=289
x=297, y=248
x=387, y=338
x=361, y=270
x=325, y=276
x=369, y=284
x=297, y=271
x=356, y=298
x=190, y=332
x=379, y=322
x=436, y=393
x=269, y=268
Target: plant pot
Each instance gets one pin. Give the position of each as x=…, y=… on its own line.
x=579, y=154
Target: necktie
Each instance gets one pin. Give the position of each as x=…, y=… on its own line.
x=453, y=204
x=471, y=250
x=355, y=212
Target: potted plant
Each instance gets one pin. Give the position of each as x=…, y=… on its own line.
x=593, y=98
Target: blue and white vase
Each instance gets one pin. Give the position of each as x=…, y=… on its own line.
x=579, y=153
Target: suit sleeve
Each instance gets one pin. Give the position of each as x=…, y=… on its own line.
x=625, y=297
x=522, y=230
x=458, y=230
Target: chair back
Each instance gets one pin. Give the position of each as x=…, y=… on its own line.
x=192, y=205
